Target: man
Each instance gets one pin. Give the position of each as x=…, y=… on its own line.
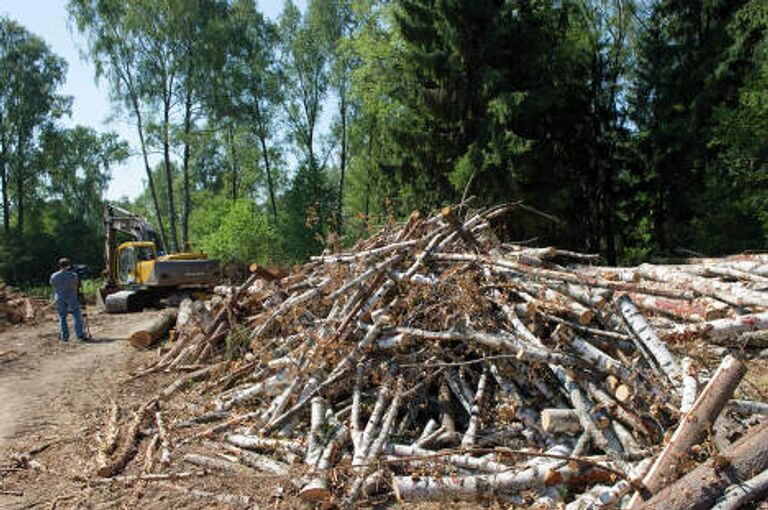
x=65, y=282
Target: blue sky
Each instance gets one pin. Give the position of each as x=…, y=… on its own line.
x=48, y=19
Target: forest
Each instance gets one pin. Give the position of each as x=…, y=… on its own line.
x=639, y=126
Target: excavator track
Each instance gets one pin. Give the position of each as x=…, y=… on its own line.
x=126, y=301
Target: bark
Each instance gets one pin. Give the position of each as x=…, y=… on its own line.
x=179, y=383
x=700, y=489
x=720, y=331
x=110, y=436
x=167, y=97
x=211, y=463
x=477, y=487
x=186, y=206
x=21, y=165
x=266, y=444
x=268, y=170
x=649, y=342
x=433, y=459
x=470, y=436
x=690, y=386
x=677, y=308
x=560, y=421
x=693, y=426
x=742, y=493
x=233, y=164
x=155, y=330
x=4, y=180
x=342, y=161
x=128, y=449
x=732, y=293
x=748, y=407
x=505, y=266
x=150, y=178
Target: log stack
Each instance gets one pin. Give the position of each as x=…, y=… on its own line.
x=15, y=307
x=434, y=362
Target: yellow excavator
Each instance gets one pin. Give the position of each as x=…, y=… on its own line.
x=138, y=276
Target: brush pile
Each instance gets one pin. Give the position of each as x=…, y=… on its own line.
x=15, y=307
x=434, y=362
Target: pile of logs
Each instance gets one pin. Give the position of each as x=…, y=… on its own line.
x=435, y=362
x=15, y=308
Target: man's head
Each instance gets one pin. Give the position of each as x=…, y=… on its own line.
x=64, y=263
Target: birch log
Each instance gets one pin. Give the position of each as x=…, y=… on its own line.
x=661, y=356
x=693, y=426
x=700, y=489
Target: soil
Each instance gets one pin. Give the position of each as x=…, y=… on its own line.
x=54, y=405
x=52, y=395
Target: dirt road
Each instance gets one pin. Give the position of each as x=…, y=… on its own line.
x=45, y=382
x=50, y=390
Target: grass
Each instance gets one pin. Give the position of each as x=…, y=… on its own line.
x=87, y=287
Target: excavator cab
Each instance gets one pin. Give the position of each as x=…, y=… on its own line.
x=136, y=262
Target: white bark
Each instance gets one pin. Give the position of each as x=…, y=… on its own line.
x=661, y=356
x=740, y=494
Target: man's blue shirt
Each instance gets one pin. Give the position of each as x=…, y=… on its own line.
x=65, y=284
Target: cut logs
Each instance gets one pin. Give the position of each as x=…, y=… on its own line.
x=157, y=329
x=432, y=361
x=15, y=307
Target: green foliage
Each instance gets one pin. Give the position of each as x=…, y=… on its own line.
x=641, y=125
x=235, y=230
x=308, y=212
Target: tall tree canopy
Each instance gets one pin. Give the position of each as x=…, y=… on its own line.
x=628, y=120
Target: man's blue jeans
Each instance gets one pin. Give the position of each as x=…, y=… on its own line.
x=64, y=307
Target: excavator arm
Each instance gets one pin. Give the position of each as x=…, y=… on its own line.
x=117, y=219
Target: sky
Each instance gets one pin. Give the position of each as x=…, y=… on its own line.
x=91, y=107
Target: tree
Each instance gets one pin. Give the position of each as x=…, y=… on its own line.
x=78, y=162
x=690, y=68
x=304, y=62
x=337, y=22
x=114, y=48
x=247, y=88
x=742, y=124
x=29, y=102
x=305, y=66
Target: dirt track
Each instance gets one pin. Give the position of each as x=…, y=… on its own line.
x=50, y=390
x=48, y=381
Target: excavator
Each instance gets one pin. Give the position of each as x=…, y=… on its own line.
x=137, y=275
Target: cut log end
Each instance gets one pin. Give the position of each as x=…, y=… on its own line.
x=315, y=491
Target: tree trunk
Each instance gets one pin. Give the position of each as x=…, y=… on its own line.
x=343, y=160
x=268, y=170
x=609, y=231
x=693, y=427
x=4, y=179
x=20, y=186
x=233, y=160
x=150, y=179
x=700, y=488
x=155, y=330
x=185, y=168
x=368, y=178
x=262, y=136
x=168, y=172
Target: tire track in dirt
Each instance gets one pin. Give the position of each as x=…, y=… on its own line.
x=52, y=383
